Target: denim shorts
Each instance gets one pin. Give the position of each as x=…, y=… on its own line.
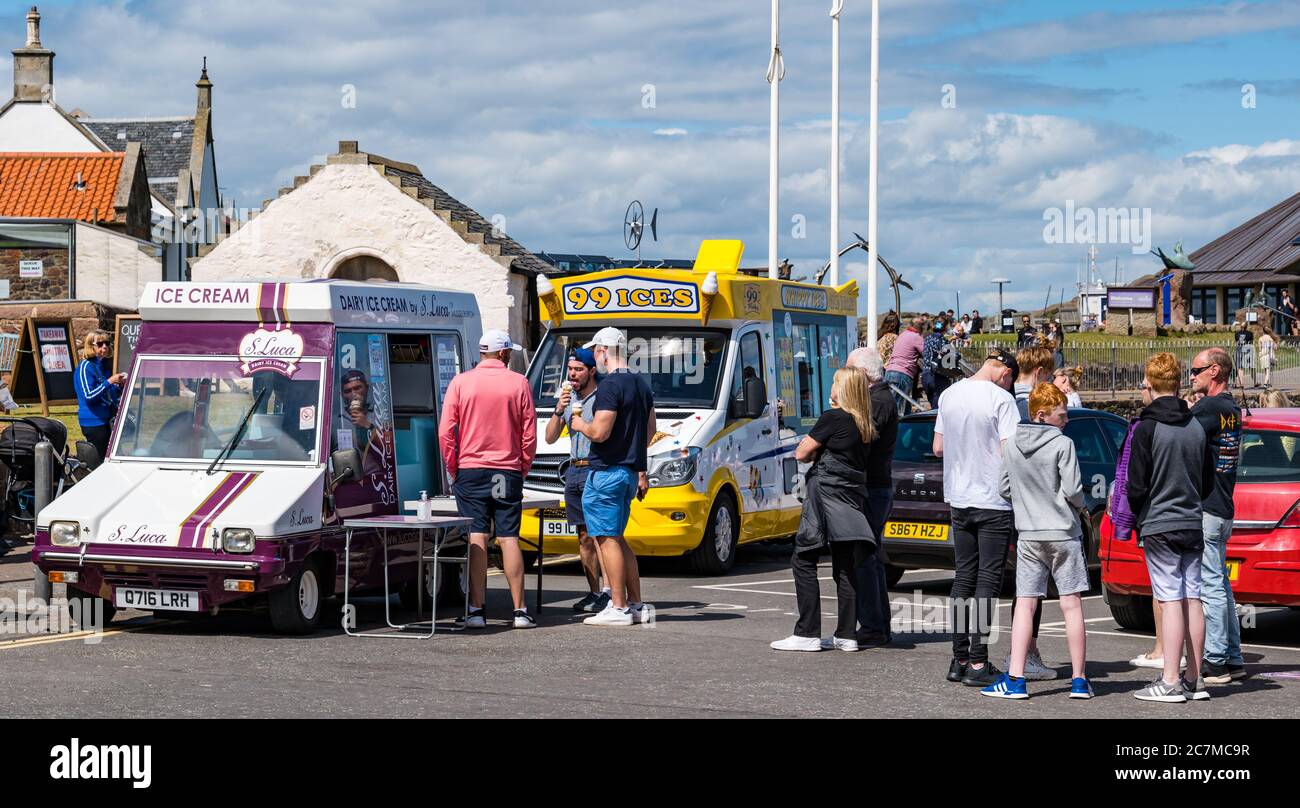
x=493, y=498
x=575, y=482
x=607, y=500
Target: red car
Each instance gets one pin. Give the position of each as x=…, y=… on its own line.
x=1264, y=548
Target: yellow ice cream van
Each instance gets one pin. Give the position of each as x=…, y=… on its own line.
x=740, y=367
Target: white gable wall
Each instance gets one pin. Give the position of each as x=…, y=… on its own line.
x=34, y=127
x=347, y=210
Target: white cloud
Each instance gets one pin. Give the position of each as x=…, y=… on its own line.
x=671, y=132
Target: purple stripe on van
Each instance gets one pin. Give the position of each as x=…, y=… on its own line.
x=190, y=527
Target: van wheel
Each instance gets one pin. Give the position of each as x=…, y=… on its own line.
x=530, y=560
x=717, y=551
x=296, y=608
x=1131, y=612
x=407, y=594
x=893, y=575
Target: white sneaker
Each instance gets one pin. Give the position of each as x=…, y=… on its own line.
x=642, y=613
x=794, y=643
x=524, y=620
x=474, y=620
x=1144, y=661
x=610, y=616
x=837, y=644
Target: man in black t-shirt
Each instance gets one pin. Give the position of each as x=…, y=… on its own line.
x=620, y=433
x=1220, y=417
x=1028, y=335
x=1244, y=339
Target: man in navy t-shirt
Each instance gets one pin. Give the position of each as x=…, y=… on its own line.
x=620, y=433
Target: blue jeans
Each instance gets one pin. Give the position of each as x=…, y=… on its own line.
x=873, y=591
x=1222, y=631
x=900, y=382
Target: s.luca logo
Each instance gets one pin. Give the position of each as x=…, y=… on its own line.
x=279, y=351
x=77, y=761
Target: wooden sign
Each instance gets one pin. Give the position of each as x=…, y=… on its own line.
x=126, y=333
x=43, y=371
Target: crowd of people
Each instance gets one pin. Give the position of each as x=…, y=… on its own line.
x=1011, y=479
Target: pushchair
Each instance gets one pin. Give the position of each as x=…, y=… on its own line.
x=18, y=453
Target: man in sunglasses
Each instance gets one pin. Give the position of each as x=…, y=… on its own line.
x=1221, y=419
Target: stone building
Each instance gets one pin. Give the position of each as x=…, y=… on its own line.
x=366, y=217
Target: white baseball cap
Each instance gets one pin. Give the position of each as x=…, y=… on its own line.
x=496, y=340
x=609, y=337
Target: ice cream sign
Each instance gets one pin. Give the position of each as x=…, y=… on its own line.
x=631, y=294
x=278, y=351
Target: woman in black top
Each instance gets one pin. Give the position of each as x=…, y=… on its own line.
x=834, y=513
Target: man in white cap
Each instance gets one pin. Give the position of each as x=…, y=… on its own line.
x=620, y=432
x=488, y=434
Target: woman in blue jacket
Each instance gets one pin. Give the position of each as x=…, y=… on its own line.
x=97, y=391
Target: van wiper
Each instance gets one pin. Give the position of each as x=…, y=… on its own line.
x=239, y=432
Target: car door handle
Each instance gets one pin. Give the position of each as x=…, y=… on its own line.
x=767, y=431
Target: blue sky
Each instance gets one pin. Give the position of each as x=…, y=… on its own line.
x=533, y=111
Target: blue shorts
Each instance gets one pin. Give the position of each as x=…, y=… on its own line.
x=607, y=500
x=575, y=482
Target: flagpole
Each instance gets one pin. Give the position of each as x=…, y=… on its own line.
x=775, y=72
x=835, y=141
x=873, y=250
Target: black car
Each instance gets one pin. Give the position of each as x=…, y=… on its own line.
x=918, y=533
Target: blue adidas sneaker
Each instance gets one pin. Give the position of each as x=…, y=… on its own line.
x=1007, y=687
x=1080, y=688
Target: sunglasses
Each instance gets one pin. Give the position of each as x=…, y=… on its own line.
x=102, y=344
x=1200, y=370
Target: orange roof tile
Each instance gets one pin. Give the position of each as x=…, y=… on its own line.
x=54, y=185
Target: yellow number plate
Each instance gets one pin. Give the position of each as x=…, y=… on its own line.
x=929, y=531
x=1234, y=571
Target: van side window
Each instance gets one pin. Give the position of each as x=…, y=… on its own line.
x=748, y=365
x=447, y=347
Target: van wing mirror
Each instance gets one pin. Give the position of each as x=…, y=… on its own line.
x=754, y=399
x=88, y=455
x=347, y=466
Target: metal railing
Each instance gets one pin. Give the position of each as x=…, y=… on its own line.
x=1119, y=367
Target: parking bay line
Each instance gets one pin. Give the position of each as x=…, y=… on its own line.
x=81, y=635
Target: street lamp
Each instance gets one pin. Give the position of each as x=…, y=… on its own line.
x=1000, y=282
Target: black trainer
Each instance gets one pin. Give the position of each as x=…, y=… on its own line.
x=956, y=671
x=584, y=604
x=981, y=677
x=1236, y=671
x=1215, y=674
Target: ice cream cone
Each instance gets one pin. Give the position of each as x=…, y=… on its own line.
x=546, y=291
x=708, y=290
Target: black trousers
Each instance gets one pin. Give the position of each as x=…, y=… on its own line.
x=98, y=437
x=873, y=588
x=846, y=558
x=980, y=538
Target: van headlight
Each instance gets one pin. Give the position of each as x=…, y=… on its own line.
x=237, y=540
x=65, y=534
x=673, y=468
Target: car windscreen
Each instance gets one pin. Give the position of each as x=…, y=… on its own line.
x=683, y=366
x=1269, y=456
x=915, y=442
x=189, y=409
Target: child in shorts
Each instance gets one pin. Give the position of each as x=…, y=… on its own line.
x=1041, y=479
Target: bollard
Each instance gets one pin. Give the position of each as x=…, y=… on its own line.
x=44, y=477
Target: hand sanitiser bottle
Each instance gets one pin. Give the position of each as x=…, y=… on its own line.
x=426, y=507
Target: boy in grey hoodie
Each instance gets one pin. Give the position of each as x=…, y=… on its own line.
x=1041, y=479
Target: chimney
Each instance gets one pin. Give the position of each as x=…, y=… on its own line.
x=33, y=65
x=205, y=87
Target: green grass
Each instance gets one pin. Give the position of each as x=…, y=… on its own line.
x=1095, y=338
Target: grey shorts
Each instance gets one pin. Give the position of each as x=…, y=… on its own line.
x=1174, y=564
x=1062, y=561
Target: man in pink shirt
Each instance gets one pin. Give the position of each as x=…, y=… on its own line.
x=488, y=435
x=905, y=363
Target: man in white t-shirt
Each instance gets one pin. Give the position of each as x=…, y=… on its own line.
x=976, y=417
